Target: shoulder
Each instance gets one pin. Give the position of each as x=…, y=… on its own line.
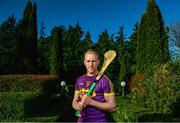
x=107, y=84
x=105, y=81
x=79, y=81
x=81, y=78
x=105, y=78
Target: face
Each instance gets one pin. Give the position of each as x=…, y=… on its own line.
x=91, y=62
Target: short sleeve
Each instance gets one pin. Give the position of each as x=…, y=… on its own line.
x=76, y=86
x=108, y=87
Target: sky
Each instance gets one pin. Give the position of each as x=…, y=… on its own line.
x=93, y=15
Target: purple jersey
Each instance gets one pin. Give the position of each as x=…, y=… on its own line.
x=103, y=88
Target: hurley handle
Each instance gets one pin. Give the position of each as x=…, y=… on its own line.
x=78, y=113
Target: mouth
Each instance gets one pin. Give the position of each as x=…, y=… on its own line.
x=91, y=69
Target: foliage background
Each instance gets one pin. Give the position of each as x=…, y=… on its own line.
x=32, y=67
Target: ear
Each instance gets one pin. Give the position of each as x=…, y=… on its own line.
x=84, y=62
x=98, y=62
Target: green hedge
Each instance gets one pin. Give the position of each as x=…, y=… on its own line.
x=31, y=98
x=14, y=83
x=161, y=99
x=162, y=86
x=12, y=105
x=46, y=85
x=28, y=106
x=127, y=111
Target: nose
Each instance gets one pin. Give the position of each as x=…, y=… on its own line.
x=91, y=63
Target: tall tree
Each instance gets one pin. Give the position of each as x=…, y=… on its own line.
x=71, y=46
x=27, y=43
x=133, y=49
x=86, y=44
x=56, y=56
x=119, y=44
x=120, y=49
x=105, y=43
x=8, y=46
x=72, y=53
x=43, y=52
x=152, y=38
x=124, y=66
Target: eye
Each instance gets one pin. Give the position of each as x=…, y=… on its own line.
x=93, y=61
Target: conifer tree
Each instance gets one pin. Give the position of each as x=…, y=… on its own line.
x=86, y=44
x=119, y=44
x=8, y=46
x=124, y=65
x=43, y=52
x=71, y=46
x=120, y=49
x=72, y=53
x=152, y=38
x=56, y=56
x=133, y=49
x=105, y=43
x=27, y=40
x=88, y=41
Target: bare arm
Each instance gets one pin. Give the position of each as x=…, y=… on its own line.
x=108, y=105
x=75, y=104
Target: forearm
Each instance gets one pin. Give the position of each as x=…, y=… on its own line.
x=106, y=106
x=77, y=105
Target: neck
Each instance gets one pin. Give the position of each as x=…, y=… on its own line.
x=92, y=74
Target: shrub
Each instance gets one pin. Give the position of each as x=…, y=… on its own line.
x=161, y=87
x=127, y=111
x=33, y=83
x=26, y=96
x=12, y=105
x=161, y=94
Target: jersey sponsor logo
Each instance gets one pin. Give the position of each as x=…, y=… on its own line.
x=81, y=84
x=84, y=91
x=87, y=83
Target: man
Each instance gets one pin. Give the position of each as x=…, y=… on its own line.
x=93, y=108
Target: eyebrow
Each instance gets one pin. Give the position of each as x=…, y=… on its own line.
x=91, y=60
